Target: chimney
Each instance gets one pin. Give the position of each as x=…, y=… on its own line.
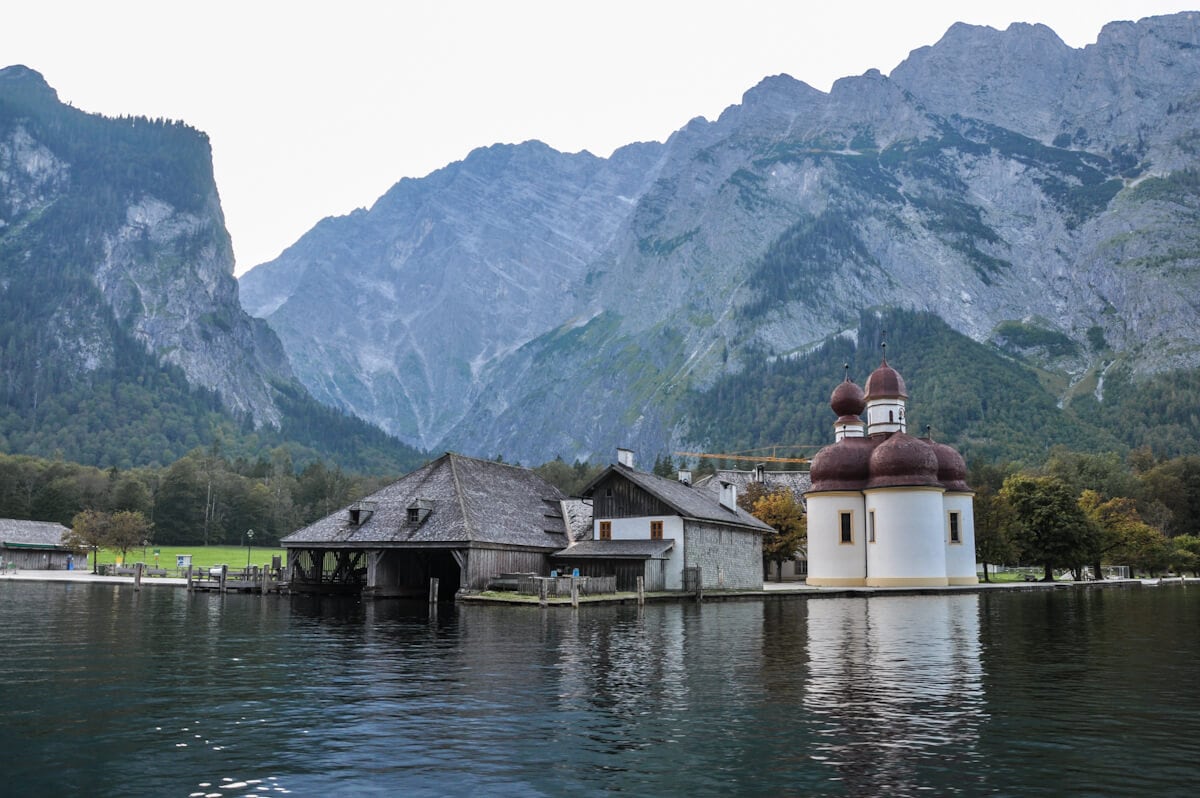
x=729, y=496
x=685, y=476
x=625, y=457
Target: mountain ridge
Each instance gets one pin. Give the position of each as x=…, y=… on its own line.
x=988, y=189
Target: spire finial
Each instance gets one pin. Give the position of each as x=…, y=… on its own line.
x=883, y=343
x=846, y=367
x=929, y=432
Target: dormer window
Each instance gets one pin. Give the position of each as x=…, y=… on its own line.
x=419, y=510
x=360, y=512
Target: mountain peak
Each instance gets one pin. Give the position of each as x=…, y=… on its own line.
x=20, y=81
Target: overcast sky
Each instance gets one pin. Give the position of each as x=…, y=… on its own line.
x=315, y=109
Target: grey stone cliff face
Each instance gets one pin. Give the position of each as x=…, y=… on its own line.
x=534, y=304
x=165, y=273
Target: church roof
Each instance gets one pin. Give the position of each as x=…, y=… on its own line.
x=885, y=383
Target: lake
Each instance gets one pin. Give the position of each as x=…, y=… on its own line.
x=107, y=691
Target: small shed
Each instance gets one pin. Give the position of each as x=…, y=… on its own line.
x=34, y=545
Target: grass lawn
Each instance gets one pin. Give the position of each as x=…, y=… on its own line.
x=202, y=556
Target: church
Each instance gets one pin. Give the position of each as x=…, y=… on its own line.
x=887, y=509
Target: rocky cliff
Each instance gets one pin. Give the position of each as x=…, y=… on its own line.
x=111, y=235
x=1040, y=199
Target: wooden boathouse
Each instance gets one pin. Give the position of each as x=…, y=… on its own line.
x=459, y=520
x=34, y=545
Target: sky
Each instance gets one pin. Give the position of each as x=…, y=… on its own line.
x=314, y=109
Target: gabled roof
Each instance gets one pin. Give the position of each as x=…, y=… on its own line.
x=468, y=501
x=798, y=482
x=686, y=500
x=43, y=534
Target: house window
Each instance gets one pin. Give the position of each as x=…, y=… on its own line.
x=414, y=515
x=871, y=526
x=955, y=533
x=606, y=530
x=656, y=530
x=846, y=520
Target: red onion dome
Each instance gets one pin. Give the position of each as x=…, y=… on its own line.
x=844, y=465
x=886, y=383
x=847, y=399
x=902, y=460
x=952, y=469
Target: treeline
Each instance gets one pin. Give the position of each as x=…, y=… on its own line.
x=205, y=497
x=993, y=408
x=1086, y=511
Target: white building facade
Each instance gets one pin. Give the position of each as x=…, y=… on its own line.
x=887, y=509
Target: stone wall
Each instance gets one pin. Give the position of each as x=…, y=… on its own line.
x=729, y=558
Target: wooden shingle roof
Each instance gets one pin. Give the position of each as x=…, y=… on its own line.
x=452, y=500
x=26, y=534
x=686, y=500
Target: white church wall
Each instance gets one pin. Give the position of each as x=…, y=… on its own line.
x=960, y=557
x=833, y=563
x=909, y=548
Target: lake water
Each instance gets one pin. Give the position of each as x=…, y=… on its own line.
x=106, y=691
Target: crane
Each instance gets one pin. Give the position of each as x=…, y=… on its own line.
x=749, y=454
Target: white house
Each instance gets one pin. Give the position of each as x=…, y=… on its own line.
x=659, y=528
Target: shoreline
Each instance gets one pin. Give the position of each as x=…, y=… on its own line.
x=771, y=590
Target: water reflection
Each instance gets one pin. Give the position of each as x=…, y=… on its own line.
x=165, y=693
x=895, y=687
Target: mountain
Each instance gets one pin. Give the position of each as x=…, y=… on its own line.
x=1040, y=200
x=120, y=328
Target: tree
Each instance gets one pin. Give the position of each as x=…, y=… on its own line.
x=1185, y=555
x=1047, y=525
x=89, y=531
x=127, y=529
x=1122, y=533
x=993, y=519
x=780, y=510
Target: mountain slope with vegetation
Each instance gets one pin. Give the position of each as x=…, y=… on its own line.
x=121, y=336
x=534, y=304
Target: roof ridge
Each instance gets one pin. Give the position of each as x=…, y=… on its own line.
x=468, y=522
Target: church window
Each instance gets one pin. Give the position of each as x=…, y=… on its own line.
x=955, y=532
x=847, y=530
x=871, y=526
x=606, y=530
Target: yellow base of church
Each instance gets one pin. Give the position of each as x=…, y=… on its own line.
x=959, y=581
x=918, y=581
x=908, y=581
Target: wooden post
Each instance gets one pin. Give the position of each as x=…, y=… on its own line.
x=433, y=590
x=137, y=576
x=574, y=593
x=542, y=592
x=190, y=587
x=224, y=576
x=641, y=589
x=699, y=583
